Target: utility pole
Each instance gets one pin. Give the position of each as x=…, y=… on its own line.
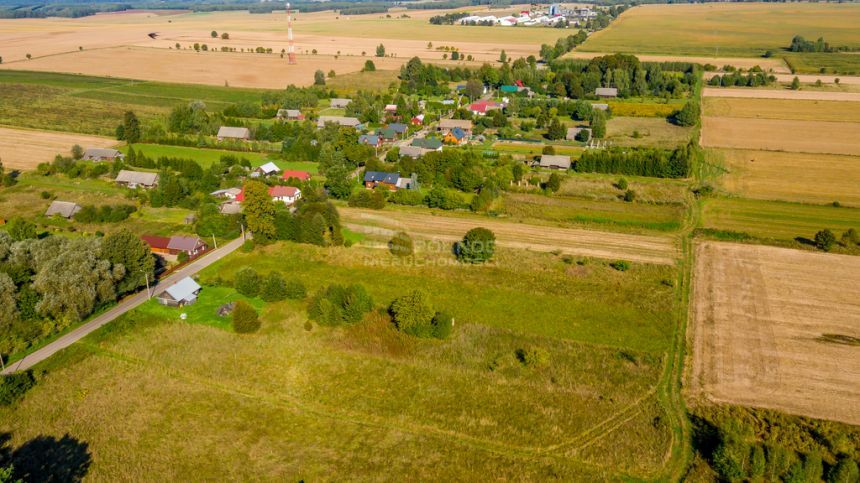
x=243, y=230
x=214, y=242
x=148, y=293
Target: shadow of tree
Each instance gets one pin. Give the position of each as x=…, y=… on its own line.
x=46, y=458
x=804, y=241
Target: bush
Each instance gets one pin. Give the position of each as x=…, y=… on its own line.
x=620, y=265
x=533, y=357
x=629, y=195
x=401, y=245
x=274, y=288
x=844, y=471
x=182, y=257
x=621, y=184
x=554, y=182
x=443, y=324
x=850, y=237
x=245, y=320
x=477, y=246
x=295, y=290
x=248, y=246
x=413, y=314
x=406, y=197
x=247, y=282
x=367, y=199
x=13, y=386
x=337, y=304
x=824, y=240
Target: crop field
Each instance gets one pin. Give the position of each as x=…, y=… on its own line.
x=797, y=110
x=24, y=149
x=831, y=63
x=311, y=403
x=640, y=248
x=652, y=132
x=824, y=137
x=613, y=215
x=777, y=220
x=802, y=177
x=769, y=330
x=725, y=29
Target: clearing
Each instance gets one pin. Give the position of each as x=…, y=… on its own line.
x=446, y=228
x=24, y=149
x=825, y=137
x=807, y=178
x=771, y=330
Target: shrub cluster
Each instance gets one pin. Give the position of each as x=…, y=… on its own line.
x=104, y=214
x=413, y=314
x=336, y=304
x=245, y=319
x=13, y=386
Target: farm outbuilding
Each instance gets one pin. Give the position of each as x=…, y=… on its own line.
x=554, y=161
x=606, y=92
x=102, y=154
x=183, y=292
x=66, y=209
x=133, y=179
x=226, y=132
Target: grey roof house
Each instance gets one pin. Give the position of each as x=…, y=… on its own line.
x=225, y=132
x=66, y=209
x=606, y=92
x=133, y=179
x=183, y=292
x=339, y=103
x=554, y=161
x=339, y=120
x=102, y=154
x=191, y=245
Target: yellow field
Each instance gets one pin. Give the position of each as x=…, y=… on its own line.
x=824, y=137
x=23, y=149
x=726, y=29
x=807, y=178
x=119, y=44
x=799, y=110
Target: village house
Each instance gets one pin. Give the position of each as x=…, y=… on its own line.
x=448, y=124
x=66, y=209
x=481, y=108
x=455, y=136
x=398, y=128
x=290, y=115
x=268, y=169
x=294, y=174
x=102, y=154
x=370, y=140
x=412, y=152
x=133, y=179
x=372, y=179
x=172, y=246
x=228, y=193
x=554, y=161
x=390, y=109
x=157, y=244
x=285, y=194
x=180, y=294
x=417, y=120
x=339, y=120
x=606, y=92
x=339, y=103
x=430, y=144
x=242, y=133
x=387, y=134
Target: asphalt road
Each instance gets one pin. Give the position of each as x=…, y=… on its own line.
x=122, y=307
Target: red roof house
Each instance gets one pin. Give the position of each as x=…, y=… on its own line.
x=300, y=175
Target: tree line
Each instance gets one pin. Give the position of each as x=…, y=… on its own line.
x=653, y=162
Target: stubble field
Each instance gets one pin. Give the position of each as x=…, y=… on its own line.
x=24, y=149
x=824, y=137
x=769, y=330
x=801, y=95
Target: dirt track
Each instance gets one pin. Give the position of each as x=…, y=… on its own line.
x=780, y=94
x=639, y=248
x=759, y=316
x=24, y=149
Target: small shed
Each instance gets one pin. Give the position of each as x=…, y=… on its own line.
x=268, y=169
x=606, y=92
x=133, y=179
x=183, y=292
x=66, y=209
x=101, y=154
x=554, y=161
x=226, y=132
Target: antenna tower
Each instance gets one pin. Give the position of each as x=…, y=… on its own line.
x=291, y=49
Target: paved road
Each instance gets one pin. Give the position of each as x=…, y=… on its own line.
x=124, y=306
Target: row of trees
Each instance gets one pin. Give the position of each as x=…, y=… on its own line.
x=653, y=162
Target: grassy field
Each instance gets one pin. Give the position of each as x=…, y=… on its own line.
x=799, y=110
x=806, y=178
x=652, y=132
x=206, y=157
x=824, y=63
x=777, y=220
x=725, y=29
x=378, y=80
x=644, y=107
x=315, y=403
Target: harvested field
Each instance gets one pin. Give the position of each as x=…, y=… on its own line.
x=24, y=149
x=807, y=178
x=798, y=110
x=782, y=135
x=747, y=93
x=770, y=329
x=771, y=64
x=652, y=132
x=639, y=248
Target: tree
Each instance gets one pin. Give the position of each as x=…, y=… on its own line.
x=795, y=83
x=401, y=245
x=247, y=282
x=77, y=152
x=259, y=210
x=126, y=249
x=621, y=184
x=688, y=115
x=413, y=314
x=824, y=240
x=554, y=182
x=8, y=303
x=629, y=195
x=245, y=319
x=21, y=229
x=332, y=74
x=598, y=124
x=844, y=471
x=442, y=325
x=338, y=181
x=29, y=56
x=380, y=50
x=369, y=66
x=503, y=57
x=850, y=237
x=214, y=34
x=477, y=246
x=319, y=78
x=474, y=89
x=225, y=36
x=556, y=130
x=130, y=127
x=274, y=288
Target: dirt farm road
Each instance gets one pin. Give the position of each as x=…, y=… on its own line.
x=121, y=308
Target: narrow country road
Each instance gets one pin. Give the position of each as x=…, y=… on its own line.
x=124, y=306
